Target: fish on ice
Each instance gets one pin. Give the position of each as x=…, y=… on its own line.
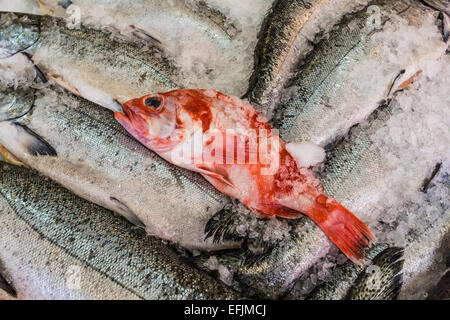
x=235, y=149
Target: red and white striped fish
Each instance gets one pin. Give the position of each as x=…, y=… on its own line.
x=234, y=148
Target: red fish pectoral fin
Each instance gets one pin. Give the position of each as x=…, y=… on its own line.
x=343, y=228
x=216, y=179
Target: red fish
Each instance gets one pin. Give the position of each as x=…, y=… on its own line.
x=234, y=148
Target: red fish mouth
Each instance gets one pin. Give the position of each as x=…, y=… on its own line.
x=125, y=118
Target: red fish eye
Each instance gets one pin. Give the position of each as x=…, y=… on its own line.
x=153, y=102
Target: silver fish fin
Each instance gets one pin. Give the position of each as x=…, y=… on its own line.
x=15, y=136
x=128, y=214
x=446, y=26
x=382, y=280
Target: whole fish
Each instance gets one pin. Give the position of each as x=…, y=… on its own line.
x=257, y=169
x=378, y=280
x=82, y=147
x=87, y=62
x=55, y=245
x=331, y=91
x=286, y=37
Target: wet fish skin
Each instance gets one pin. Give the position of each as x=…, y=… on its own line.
x=99, y=161
x=76, y=59
x=282, y=28
x=378, y=280
x=60, y=231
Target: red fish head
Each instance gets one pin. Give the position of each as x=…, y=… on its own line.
x=162, y=120
x=152, y=119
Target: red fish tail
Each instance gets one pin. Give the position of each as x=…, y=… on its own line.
x=342, y=227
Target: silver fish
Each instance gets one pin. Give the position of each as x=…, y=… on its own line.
x=55, y=245
x=331, y=91
x=286, y=37
x=82, y=147
x=76, y=59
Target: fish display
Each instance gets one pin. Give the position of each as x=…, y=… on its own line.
x=166, y=122
x=55, y=245
x=379, y=280
x=343, y=140
x=330, y=93
x=76, y=59
x=109, y=167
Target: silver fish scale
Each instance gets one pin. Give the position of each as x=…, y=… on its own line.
x=312, y=80
x=139, y=264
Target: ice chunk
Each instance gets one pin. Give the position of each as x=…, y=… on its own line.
x=306, y=154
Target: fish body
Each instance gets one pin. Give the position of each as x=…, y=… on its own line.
x=55, y=245
x=331, y=91
x=288, y=34
x=82, y=147
x=167, y=122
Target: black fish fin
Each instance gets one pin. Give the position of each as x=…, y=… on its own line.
x=39, y=73
x=31, y=141
x=382, y=280
x=128, y=214
x=446, y=26
x=222, y=226
x=143, y=35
